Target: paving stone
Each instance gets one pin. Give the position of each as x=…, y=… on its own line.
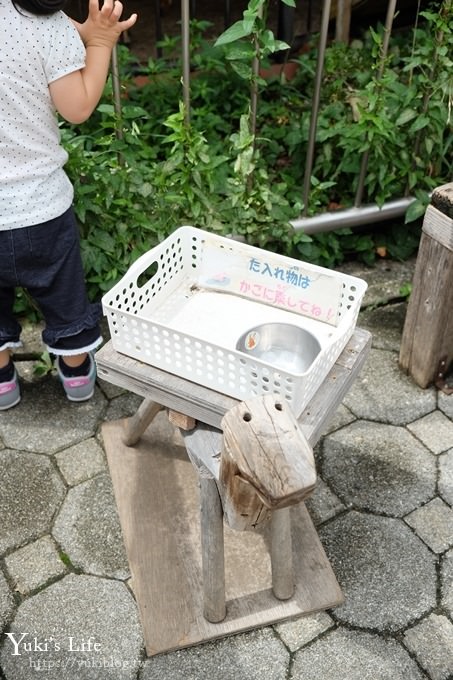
x=76, y=611
x=6, y=602
x=385, y=279
x=30, y=493
x=323, y=504
x=45, y=421
x=353, y=655
x=81, y=462
x=26, y=373
x=88, y=530
x=381, y=468
x=434, y=524
x=435, y=431
x=123, y=406
x=342, y=417
x=253, y=656
x=387, y=574
x=111, y=391
x=297, y=633
x=447, y=582
x=31, y=337
x=446, y=476
x=385, y=324
x=445, y=403
x=383, y=393
x=432, y=643
x=33, y=565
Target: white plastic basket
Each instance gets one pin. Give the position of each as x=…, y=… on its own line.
x=183, y=305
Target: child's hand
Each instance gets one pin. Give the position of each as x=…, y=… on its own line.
x=103, y=27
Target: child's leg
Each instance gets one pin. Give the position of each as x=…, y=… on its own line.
x=9, y=338
x=52, y=271
x=5, y=357
x=10, y=328
x=74, y=361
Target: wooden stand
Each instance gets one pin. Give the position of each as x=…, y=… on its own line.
x=195, y=578
x=427, y=343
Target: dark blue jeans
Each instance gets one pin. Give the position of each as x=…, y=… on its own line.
x=45, y=260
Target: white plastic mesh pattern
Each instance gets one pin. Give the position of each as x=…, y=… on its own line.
x=138, y=306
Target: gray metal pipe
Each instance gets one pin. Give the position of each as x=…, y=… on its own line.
x=352, y=217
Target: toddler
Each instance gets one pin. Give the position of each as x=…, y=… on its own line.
x=48, y=64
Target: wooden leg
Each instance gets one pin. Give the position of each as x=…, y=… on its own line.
x=138, y=423
x=282, y=554
x=212, y=551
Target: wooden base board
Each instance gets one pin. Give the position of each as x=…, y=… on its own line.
x=156, y=491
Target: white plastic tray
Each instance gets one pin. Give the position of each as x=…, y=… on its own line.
x=183, y=306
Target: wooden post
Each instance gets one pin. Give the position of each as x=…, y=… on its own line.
x=137, y=424
x=427, y=343
x=212, y=551
x=282, y=554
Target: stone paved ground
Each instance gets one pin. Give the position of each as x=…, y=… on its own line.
x=382, y=507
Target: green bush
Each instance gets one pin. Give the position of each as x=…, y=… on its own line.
x=141, y=173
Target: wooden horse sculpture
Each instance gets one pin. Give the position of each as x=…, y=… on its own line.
x=266, y=462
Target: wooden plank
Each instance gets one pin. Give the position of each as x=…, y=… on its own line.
x=209, y=407
x=428, y=327
x=426, y=350
x=181, y=420
x=167, y=389
x=439, y=227
x=158, y=503
x=442, y=199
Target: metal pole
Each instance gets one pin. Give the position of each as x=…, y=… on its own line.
x=158, y=20
x=185, y=37
x=227, y=13
x=285, y=30
x=391, y=7
x=315, y=103
x=116, y=93
x=343, y=20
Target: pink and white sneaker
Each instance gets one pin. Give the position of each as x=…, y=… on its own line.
x=80, y=387
x=9, y=393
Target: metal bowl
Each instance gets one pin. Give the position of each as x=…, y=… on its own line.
x=290, y=348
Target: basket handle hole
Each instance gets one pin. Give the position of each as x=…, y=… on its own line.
x=247, y=417
x=147, y=274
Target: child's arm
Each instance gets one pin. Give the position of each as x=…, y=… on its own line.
x=76, y=95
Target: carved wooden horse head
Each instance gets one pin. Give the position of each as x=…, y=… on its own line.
x=266, y=462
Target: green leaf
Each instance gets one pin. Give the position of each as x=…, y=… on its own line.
x=235, y=32
x=416, y=209
x=106, y=108
x=405, y=116
x=419, y=124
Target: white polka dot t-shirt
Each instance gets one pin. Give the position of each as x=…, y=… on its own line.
x=34, y=51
